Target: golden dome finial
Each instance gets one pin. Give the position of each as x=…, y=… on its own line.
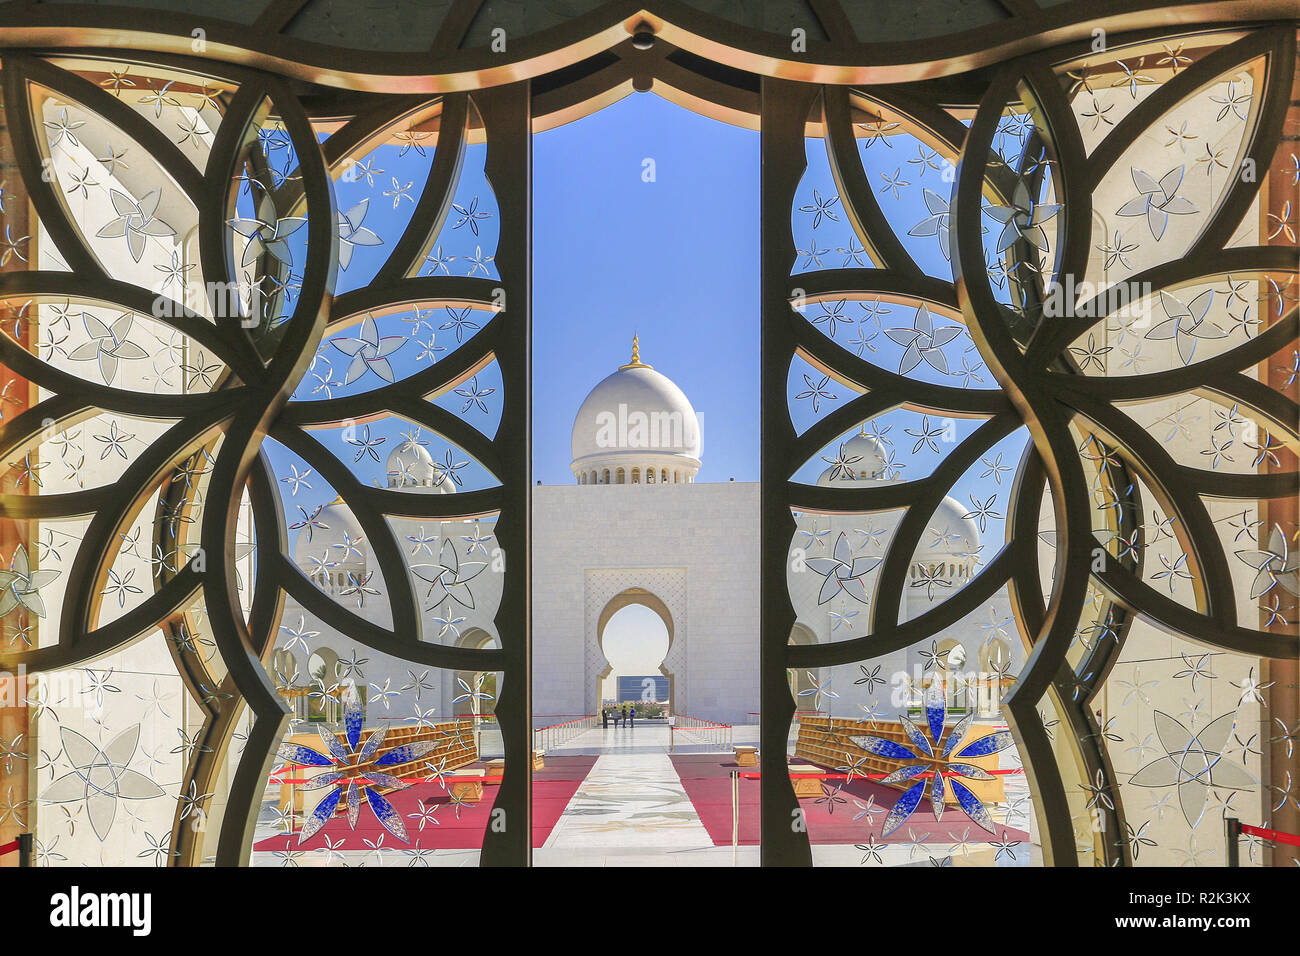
x=636, y=355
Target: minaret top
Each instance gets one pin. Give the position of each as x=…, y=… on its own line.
x=636, y=355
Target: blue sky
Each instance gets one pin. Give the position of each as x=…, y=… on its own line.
x=645, y=220
x=676, y=260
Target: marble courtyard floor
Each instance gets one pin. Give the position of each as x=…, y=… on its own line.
x=632, y=809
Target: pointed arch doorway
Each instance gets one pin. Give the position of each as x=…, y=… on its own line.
x=622, y=644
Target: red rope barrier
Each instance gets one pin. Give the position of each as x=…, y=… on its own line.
x=564, y=723
x=702, y=725
x=362, y=781
x=1274, y=836
x=753, y=775
x=9, y=848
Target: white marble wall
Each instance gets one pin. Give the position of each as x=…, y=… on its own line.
x=696, y=546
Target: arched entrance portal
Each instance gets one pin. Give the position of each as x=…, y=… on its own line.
x=950, y=664
x=478, y=688
x=629, y=598
x=802, y=682
x=323, y=669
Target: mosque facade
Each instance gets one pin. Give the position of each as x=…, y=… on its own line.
x=636, y=527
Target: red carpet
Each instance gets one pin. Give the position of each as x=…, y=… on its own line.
x=553, y=788
x=707, y=780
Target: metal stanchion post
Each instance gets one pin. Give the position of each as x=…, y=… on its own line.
x=25, y=841
x=1232, y=827
x=735, y=813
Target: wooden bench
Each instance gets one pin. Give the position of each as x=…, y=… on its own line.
x=454, y=749
x=466, y=786
x=806, y=786
x=746, y=756
x=496, y=767
x=829, y=742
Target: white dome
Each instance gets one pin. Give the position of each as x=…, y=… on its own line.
x=336, y=538
x=949, y=534
x=870, y=464
x=411, y=467
x=636, y=418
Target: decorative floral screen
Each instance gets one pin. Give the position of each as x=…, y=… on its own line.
x=1061, y=327
x=254, y=393
x=264, y=461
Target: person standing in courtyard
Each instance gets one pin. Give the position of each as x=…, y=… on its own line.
x=631, y=716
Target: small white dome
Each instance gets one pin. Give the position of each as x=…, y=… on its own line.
x=337, y=539
x=949, y=534
x=411, y=467
x=863, y=459
x=636, y=418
